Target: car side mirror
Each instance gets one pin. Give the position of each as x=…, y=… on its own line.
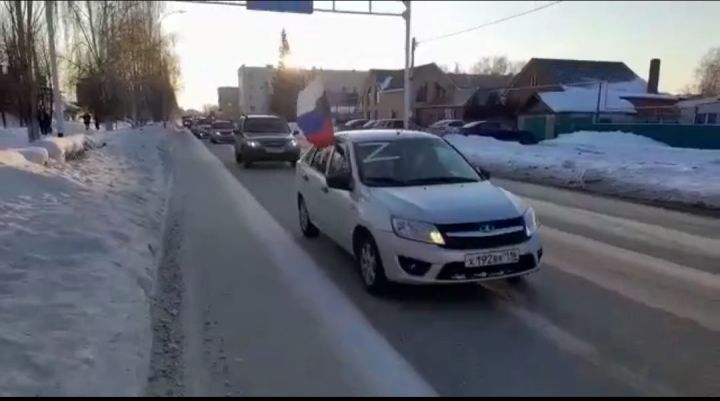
x=484, y=173
x=340, y=181
x=296, y=133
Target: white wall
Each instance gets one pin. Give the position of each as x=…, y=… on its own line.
x=255, y=87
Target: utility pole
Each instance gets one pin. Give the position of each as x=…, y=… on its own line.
x=408, y=52
x=57, y=95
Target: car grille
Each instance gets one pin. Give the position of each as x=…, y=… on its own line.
x=274, y=143
x=483, y=242
x=458, y=271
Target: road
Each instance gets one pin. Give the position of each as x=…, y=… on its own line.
x=627, y=302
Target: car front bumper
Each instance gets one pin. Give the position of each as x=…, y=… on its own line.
x=447, y=266
x=289, y=154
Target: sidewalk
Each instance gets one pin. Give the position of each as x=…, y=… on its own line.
x=257, y=317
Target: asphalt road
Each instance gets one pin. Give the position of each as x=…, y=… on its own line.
x=627, y=302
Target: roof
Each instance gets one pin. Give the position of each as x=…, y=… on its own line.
x=475, y=81
x=585, y=100
x=573, y=71
x=697, y=102
x=381, y=135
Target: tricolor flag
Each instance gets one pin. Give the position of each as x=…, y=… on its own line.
x=313, y=114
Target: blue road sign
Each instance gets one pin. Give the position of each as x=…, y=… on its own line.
x=294, y=6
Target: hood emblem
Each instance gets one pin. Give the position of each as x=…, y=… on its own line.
x=486, y=228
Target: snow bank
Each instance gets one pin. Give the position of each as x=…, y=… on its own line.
x=12, y=158
x=78, y=247
x=614, y=163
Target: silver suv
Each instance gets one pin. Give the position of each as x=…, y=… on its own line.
x=265, y=138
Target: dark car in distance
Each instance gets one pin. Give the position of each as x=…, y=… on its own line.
x=222, y=132
x=265, y=138
x=495, y=130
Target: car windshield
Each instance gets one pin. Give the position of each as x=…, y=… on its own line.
x=223, y=125
x=411, y=161
x=266, y=126
x=204, y=121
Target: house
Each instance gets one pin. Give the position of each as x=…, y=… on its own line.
x=700, y=111
x=543, y=74
x=436, y=94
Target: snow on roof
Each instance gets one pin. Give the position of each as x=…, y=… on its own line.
x=696, y=102
x=585, y=100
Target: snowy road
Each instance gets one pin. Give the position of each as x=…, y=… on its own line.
x=628, y=302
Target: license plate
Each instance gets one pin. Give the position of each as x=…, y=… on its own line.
x=492, y=258
x=274, y=150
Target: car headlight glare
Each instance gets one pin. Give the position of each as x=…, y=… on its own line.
x=253, y=144
x=293, y=143
x=531, y=222
x=417, y=231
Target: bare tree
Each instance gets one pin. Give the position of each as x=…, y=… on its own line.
x=707, y=74
x=496, y=65
x=21, y=32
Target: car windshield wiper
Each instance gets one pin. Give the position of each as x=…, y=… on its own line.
x=440, y=180
x=384, y=181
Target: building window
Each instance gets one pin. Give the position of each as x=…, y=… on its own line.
x=421, y=95
x=375, y=115
x=700, y=118
x=393, y=114
x=712, y=118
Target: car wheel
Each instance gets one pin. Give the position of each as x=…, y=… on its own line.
x=238, y=157
x=306, y=226
x=370, y=266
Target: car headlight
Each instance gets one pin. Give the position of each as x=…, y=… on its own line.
x=531, y=222
x=253, y=144
x=293, y=143
x=217, y=133
x=417, y=231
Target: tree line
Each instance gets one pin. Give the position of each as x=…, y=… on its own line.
x=117, y=59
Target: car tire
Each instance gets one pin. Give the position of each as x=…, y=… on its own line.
x=238, y=158
x=306, y=226
x=370, y=266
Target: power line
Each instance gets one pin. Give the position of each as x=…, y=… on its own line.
x=491, y=22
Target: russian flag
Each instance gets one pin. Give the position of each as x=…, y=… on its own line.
x=313, y=114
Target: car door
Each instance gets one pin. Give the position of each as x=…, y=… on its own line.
x=316, y=187
x=338, y=204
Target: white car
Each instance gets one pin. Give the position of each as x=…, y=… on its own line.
x=412, y=210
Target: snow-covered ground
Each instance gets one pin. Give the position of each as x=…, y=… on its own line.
x=78, y=248
x=614, y=163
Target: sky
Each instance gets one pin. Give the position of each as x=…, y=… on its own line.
x=213, y=41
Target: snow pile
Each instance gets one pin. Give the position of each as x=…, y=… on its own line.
x=585, y=100
x=614, y=163
x=78, y=247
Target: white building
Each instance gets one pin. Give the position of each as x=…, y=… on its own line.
x=704, y=111
x=254, y=89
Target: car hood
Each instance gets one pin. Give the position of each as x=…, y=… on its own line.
x=450, y=203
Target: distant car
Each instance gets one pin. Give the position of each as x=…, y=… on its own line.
x=265, y=138
x=413, y=210
x=201, y=128
x=495, y=130
x=445, y=127
x=222, y=132
x=187, y=121
x=353, y=124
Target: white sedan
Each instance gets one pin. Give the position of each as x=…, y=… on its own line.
x=412, y=209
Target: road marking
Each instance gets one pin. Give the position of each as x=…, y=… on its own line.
x=626, y=228
x=576, y=346
x=367, y=356
x=679, y=290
